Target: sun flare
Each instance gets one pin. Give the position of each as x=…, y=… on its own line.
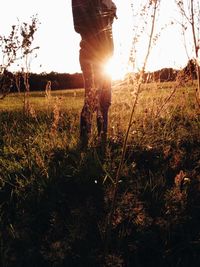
x=115, y=68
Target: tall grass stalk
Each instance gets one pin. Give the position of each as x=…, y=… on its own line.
x=124, y=148
x=196, y=46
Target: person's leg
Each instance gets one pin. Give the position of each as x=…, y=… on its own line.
x=103, y=81
x=103, y=85
x=98, y=80
x=105, y=102
x=88, y=109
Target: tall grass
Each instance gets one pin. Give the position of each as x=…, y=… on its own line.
x=55, y=198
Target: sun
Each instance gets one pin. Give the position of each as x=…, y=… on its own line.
x=115, y=68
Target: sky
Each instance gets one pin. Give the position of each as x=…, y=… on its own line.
x=59, y=43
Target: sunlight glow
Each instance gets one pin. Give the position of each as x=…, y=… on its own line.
x=115, y=69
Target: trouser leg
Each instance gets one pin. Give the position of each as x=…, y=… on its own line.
x=87, y=110
x=102, y=124
x=106, y=53
x=92, y=60
x=88, y=107
x=103, y=107
x=90, y=100
x=85, y=125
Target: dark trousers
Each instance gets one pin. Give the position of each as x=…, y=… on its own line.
x=95, y=51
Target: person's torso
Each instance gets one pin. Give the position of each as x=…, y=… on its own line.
x=91, y=16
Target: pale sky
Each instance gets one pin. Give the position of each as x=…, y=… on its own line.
x=59, y=43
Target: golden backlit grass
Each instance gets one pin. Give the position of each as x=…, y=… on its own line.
x=58, y=197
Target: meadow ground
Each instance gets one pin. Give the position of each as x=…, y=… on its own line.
x=55, y=200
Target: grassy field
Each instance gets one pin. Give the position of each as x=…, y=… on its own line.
x=55, y=199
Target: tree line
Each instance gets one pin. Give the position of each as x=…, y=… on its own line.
x=14, y=82
x=38, y=82
x=168, y=74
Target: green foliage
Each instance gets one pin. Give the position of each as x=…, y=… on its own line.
x=55, y=199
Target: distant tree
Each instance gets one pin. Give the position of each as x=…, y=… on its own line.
x=190, y=70
x=163, y=75
x=167, y=75
x=190, y=11
x=58, y=81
